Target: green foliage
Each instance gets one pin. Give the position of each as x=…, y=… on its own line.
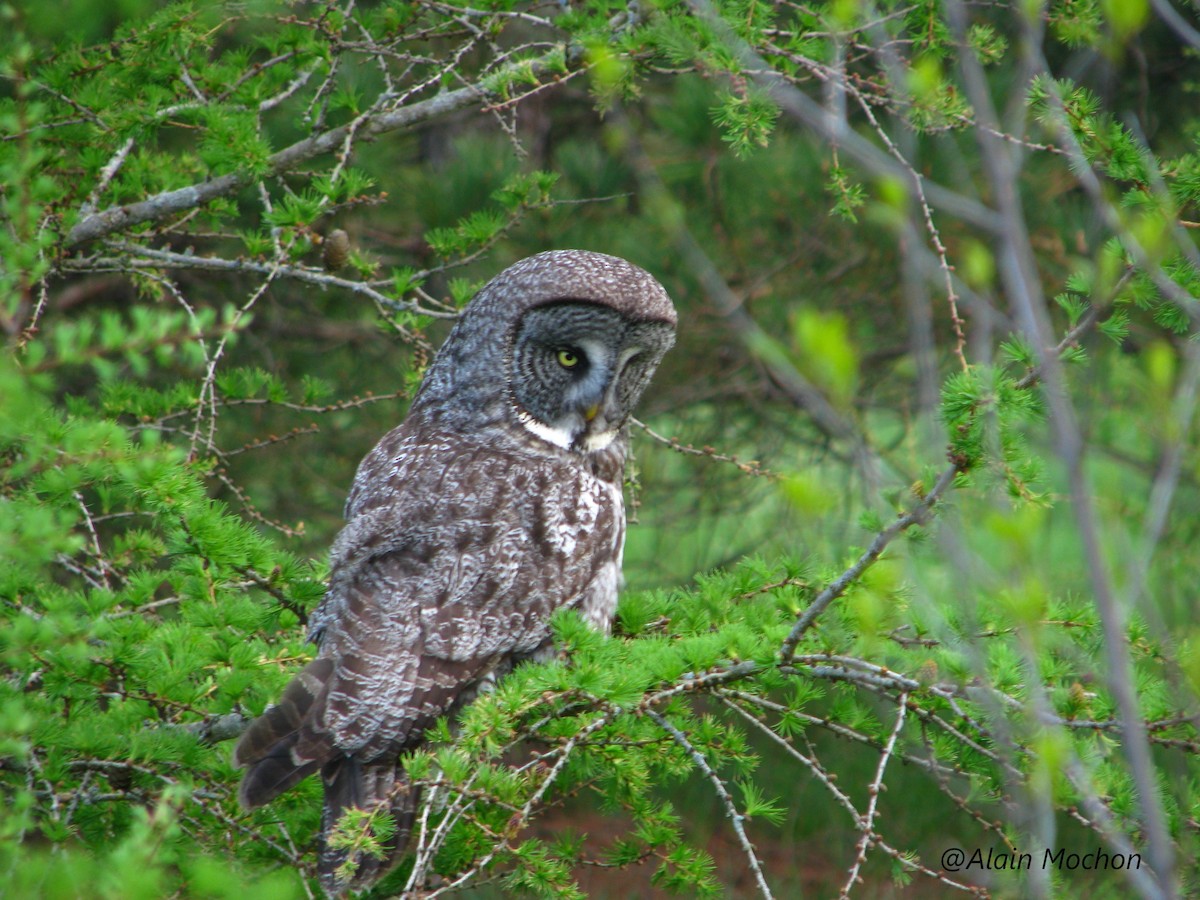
x=849, y=196
x=746, y=120
x=986, y=411
x=1076, y=22
x=183, y=376
x=360, y=833
x=825, y=352
x=114, y=667
x=479, y=230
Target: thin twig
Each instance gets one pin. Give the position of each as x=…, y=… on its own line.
x=753, y=467
x=867, y=824
x=736, y=818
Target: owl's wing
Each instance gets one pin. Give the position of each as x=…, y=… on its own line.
x=410, y=628
x=404, y=629
x=422, y=606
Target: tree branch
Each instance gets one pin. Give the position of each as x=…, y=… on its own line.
x=917, y=515
x=736, y=818
x=168, y=203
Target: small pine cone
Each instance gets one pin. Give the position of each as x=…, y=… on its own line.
x=927, y=674
x=337, y=250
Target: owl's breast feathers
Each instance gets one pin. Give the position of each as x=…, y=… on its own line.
x=453, y=560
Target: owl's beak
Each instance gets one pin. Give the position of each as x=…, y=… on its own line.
x=601, y=423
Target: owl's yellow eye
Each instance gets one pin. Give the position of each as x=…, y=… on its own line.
x=568, y=359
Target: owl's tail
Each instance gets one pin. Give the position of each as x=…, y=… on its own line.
x=280, y=748
x=275, y=749
x=347, y=860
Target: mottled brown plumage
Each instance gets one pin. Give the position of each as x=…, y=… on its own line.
x=496, y=502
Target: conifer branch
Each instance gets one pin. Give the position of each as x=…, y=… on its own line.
x=96, y=225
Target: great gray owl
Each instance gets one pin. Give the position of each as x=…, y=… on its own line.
x=496, y=502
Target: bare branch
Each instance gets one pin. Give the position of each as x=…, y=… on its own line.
x=867, y=823
x=735, y=817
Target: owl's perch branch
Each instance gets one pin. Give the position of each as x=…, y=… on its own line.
x=216, y=729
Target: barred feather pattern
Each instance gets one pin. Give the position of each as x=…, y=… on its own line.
x=467, y=527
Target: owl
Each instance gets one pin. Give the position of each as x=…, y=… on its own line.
x=496, y=502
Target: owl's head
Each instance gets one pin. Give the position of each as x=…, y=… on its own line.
x=561, y=345
x=578, y=368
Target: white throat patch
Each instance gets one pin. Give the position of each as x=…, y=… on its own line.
x=559, y=437
x=594, y=442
